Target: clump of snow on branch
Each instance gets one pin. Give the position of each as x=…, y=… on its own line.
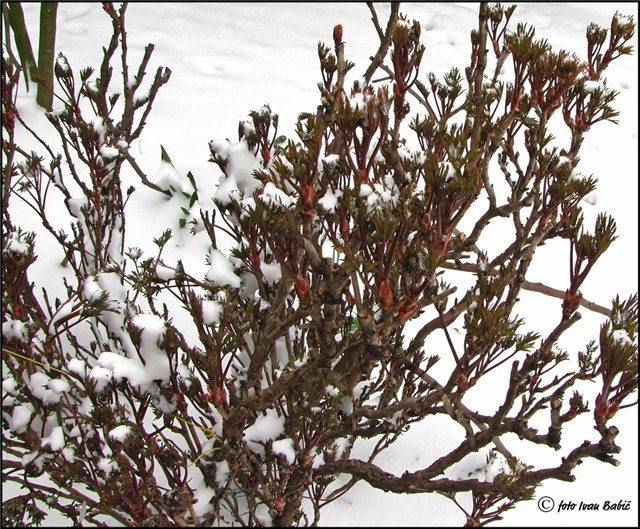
x=221, y=271
x=266, y=427
x=241, y=164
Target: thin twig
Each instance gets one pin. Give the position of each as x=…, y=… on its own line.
x=533, y=287
x=385, y=37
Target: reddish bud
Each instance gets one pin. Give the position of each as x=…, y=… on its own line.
x=307, y=193
x=612, y=409
x=397, y=94
x=462, y=382
x=543, y=220
x=585, y=127
x=302, y=287
x=406, y=311
x=216, y=396
x=509, y=144
x=439, y=247
x=8, y=119
x=426, y=221
x=385, y=289
x=344, y=228
x=363, y=176
x=385, y=294
x=266, y=155
x=48, y=349
x=571, y=302
x=600, y=412
x=337, y=35
x=254, y=260
x=57, y=477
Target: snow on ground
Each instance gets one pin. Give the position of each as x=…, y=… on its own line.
x=230, y=58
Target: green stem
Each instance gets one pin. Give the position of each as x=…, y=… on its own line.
x=21, y=36
x=46, y=54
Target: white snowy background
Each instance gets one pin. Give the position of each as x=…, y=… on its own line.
x=230, y=58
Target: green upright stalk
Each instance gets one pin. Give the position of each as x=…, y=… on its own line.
x=21, y=36
x=46, y=54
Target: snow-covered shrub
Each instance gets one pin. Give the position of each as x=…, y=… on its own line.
x=325, y=319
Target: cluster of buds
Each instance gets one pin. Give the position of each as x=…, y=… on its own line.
x=406, y=56
x=363, y=127
x=261, y=133
x=551, y=78
x=622, y=29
